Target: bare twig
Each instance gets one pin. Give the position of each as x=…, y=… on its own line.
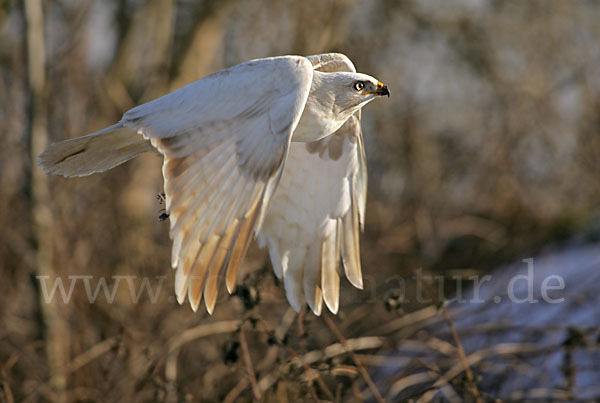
x=500, y=349
x=410, y=380
x=311, y=374
x=448, y=392
x=474, y=358
x=471, y=385
x=357, y=362
x=175, y=343
x=373, y=360
x=270, y=357
x=236, y=391
x=201, y=331
x=279, y=333
x=406, y=321
x=90, y=355
x=249, y=367
x=8, y=395
x=329, y=352
x=12, y=360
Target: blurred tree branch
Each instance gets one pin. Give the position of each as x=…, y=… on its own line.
x=57, y=331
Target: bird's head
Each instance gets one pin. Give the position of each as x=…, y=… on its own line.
x=354, y=90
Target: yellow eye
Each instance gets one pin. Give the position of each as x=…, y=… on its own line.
x=359, y=86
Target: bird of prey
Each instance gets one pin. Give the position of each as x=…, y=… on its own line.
x=271, y=147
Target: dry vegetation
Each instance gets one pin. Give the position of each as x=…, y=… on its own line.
x=487, y=150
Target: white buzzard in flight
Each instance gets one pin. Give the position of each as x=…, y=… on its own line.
x=272, y=147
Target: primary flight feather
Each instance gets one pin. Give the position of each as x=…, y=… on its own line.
x=271, y=147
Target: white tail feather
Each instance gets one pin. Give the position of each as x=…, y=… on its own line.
x=96, y=152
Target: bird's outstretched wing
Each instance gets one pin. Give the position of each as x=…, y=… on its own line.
x=315, y=214
x=224, y=139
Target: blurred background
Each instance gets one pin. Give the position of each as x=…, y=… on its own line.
x=485, y=154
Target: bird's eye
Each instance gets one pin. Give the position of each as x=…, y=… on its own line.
x=359, y=86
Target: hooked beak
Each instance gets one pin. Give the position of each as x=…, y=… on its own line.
x=381, y=90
